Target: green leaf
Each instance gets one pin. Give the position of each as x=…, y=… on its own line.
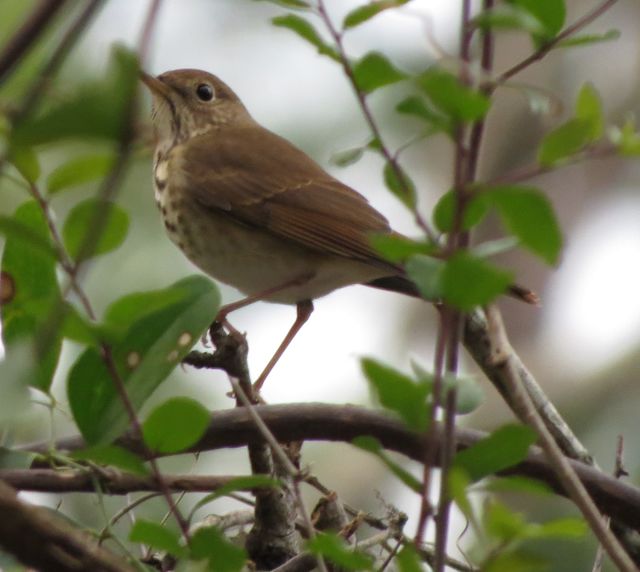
x=78, y=328
x=157, y=536
x=588, y=39
x=474, y=210
x=306, y=31
x=29, y=275
x=21, y=232
x=295, y=4
x=374, y=71
x=627, y=138
x=397, y=392
x=372, y=445
x=400, y=184
x=78, y=171
x=210, y=544
x=333, y=548
x=550, y=13
x=560, y=528
x=152, y=347
x=364, y=13
x=517, y=484
x=527, y=214
x=113, y=456
x=348, y=156
x=83, y=216
x=459, y=484
x=469, y=394
x=505, y=447
x=492, y=247
x=468, y=281
x=517, y=561
x=504, y=524
x=16, y=370
x=175, y=425
x=449, y=95
x=510, y=17
x=25, y=160
x=564, y=141
x=397, y=248
x=426, y=273
x=417, y=107
x=589, y=108
x=408, y=559
x=96, y=110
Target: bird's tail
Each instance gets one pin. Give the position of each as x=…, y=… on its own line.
x=403, y=285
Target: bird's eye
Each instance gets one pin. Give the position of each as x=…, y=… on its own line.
x=204, y=92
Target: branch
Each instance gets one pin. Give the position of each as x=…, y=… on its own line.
x=27, y=35
x=343, y=423
x=42, y=540
x=110, y=481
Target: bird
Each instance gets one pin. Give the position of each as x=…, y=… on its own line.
x=253, y=211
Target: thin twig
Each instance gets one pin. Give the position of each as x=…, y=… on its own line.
x=390, y=158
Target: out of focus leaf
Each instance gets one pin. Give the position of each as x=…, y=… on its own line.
x=158, y=536
x=306, y=31
x=333, y=548
x=474, y=210
x=400, y=184
x=364, y=13
x=426, y=273
x=113, y=456
x=397, y=248
x=78, y=171
x=83, y=216
x=210, y=544
x=588, y=39
x=374, y=71
x=25, y=160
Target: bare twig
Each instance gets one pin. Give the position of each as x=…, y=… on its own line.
x=565, y=472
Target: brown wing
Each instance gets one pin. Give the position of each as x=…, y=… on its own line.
x=262, y=180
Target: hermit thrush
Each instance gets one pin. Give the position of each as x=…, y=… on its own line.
x=252, y=210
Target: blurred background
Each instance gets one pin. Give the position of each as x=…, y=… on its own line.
x=583, y=344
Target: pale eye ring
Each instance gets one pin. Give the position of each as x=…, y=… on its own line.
x=204, y=92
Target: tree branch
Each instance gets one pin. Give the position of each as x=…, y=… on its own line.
x=343, y=423
x=44, y=541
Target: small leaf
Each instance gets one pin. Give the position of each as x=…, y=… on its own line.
x=517, y=484
x=550, y=13
x=295, y=4
x=78, y=171
x=333, y=548
x=626, y=138
x=157, y=536
x=83, y=216
x=505, y=447
x=527, y=214
x=348, y=156
x=474, y=210
x=588, y=39
x=492, y=247
x=372, y=445
x=397, y=248
x=114, y=456
x=364, y=13
x=417, y=107
x=510, y=17
x=426, y=273
x=564, y=141
x=561, y=528
x=589, y=108
x=408, y=559
x=374, y=71
x=504, y=524
x=305, y=30
x=400, y=184
x=210, y=544
x=457, y=101
x=469, y=394
x=397, y=392
x=468, y=281
x=151, y=348
x=175, y=425
x=25, y=160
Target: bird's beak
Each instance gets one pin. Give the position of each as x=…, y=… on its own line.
x=156, y=87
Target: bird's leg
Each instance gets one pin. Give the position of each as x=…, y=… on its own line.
x=304, y=310
x=221, y=317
